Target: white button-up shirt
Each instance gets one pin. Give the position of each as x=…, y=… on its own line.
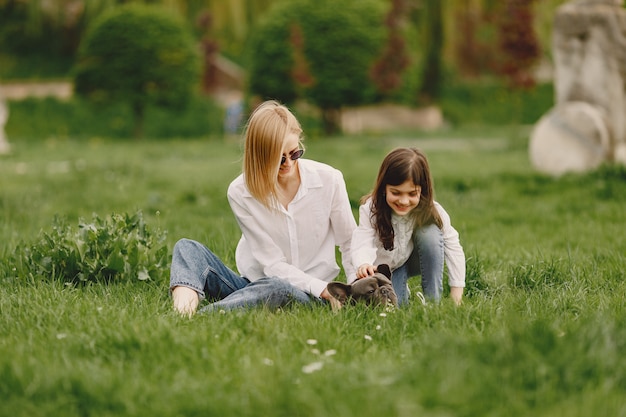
x=297, y=243
x=368, y=249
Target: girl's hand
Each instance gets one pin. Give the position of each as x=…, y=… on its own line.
x=365, y=270
x=456, y=293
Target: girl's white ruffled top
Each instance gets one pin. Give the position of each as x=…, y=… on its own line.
x=367, y=247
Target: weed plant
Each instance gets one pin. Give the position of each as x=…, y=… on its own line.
x=101, y=251
x=541, y=331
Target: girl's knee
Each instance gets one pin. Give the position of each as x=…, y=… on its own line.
x=429, y=232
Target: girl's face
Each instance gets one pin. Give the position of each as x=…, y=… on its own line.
x=403, y=198
x=290, y=167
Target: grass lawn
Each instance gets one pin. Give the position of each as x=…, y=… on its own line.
x=541, y=332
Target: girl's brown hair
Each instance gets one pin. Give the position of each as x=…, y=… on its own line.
x=400, y=165
x=268, y=126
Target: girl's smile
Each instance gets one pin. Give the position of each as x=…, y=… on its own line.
x=403, y=198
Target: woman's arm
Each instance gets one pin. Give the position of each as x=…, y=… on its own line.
x=343, y=224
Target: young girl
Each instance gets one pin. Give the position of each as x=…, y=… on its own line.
x=293, y=213
x=402, y=226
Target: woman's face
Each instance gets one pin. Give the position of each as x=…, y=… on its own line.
x=290, y=167
x=403, y=198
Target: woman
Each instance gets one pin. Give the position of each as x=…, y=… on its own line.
x=292, y=213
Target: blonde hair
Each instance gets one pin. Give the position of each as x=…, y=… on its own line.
x=268, y=126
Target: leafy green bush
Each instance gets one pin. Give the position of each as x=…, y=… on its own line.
x=315, y=50
x=140, y=55
x=270, y=57
x=120, y=247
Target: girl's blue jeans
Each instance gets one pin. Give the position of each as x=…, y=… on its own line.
x=196, y=267
x=426, y=260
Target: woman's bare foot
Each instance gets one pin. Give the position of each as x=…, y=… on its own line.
x=185, y=300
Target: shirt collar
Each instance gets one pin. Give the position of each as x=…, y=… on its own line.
x=309, y=176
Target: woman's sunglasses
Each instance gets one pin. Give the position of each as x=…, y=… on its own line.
x=295, y=155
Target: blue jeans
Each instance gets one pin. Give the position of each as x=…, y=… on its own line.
x=196, y=267
x=426, y=260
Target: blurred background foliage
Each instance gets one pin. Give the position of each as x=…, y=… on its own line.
x=312, y=50
x=49, y=31
x=429, y=51
x=140, y=55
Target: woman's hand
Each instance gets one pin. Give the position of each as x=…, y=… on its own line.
x=456, y=293
x=365, y=270
x=325, y=295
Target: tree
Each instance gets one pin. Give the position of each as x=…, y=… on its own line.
x=473, y=38
x=271, y=58
x=318, y=51
x=518, y=43
x=137, y=54
x=432, y=76
x=388, y=69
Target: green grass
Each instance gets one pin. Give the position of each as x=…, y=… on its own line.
x=541, y=332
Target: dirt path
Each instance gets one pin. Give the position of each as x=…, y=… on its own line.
x=19, y=91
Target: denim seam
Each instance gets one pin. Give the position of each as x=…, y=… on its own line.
x=421, y=258
x=208, y=270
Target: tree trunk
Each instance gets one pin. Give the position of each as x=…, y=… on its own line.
x=5, y=148
x=331, y=121
x=431, y=78
x=138, y=119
